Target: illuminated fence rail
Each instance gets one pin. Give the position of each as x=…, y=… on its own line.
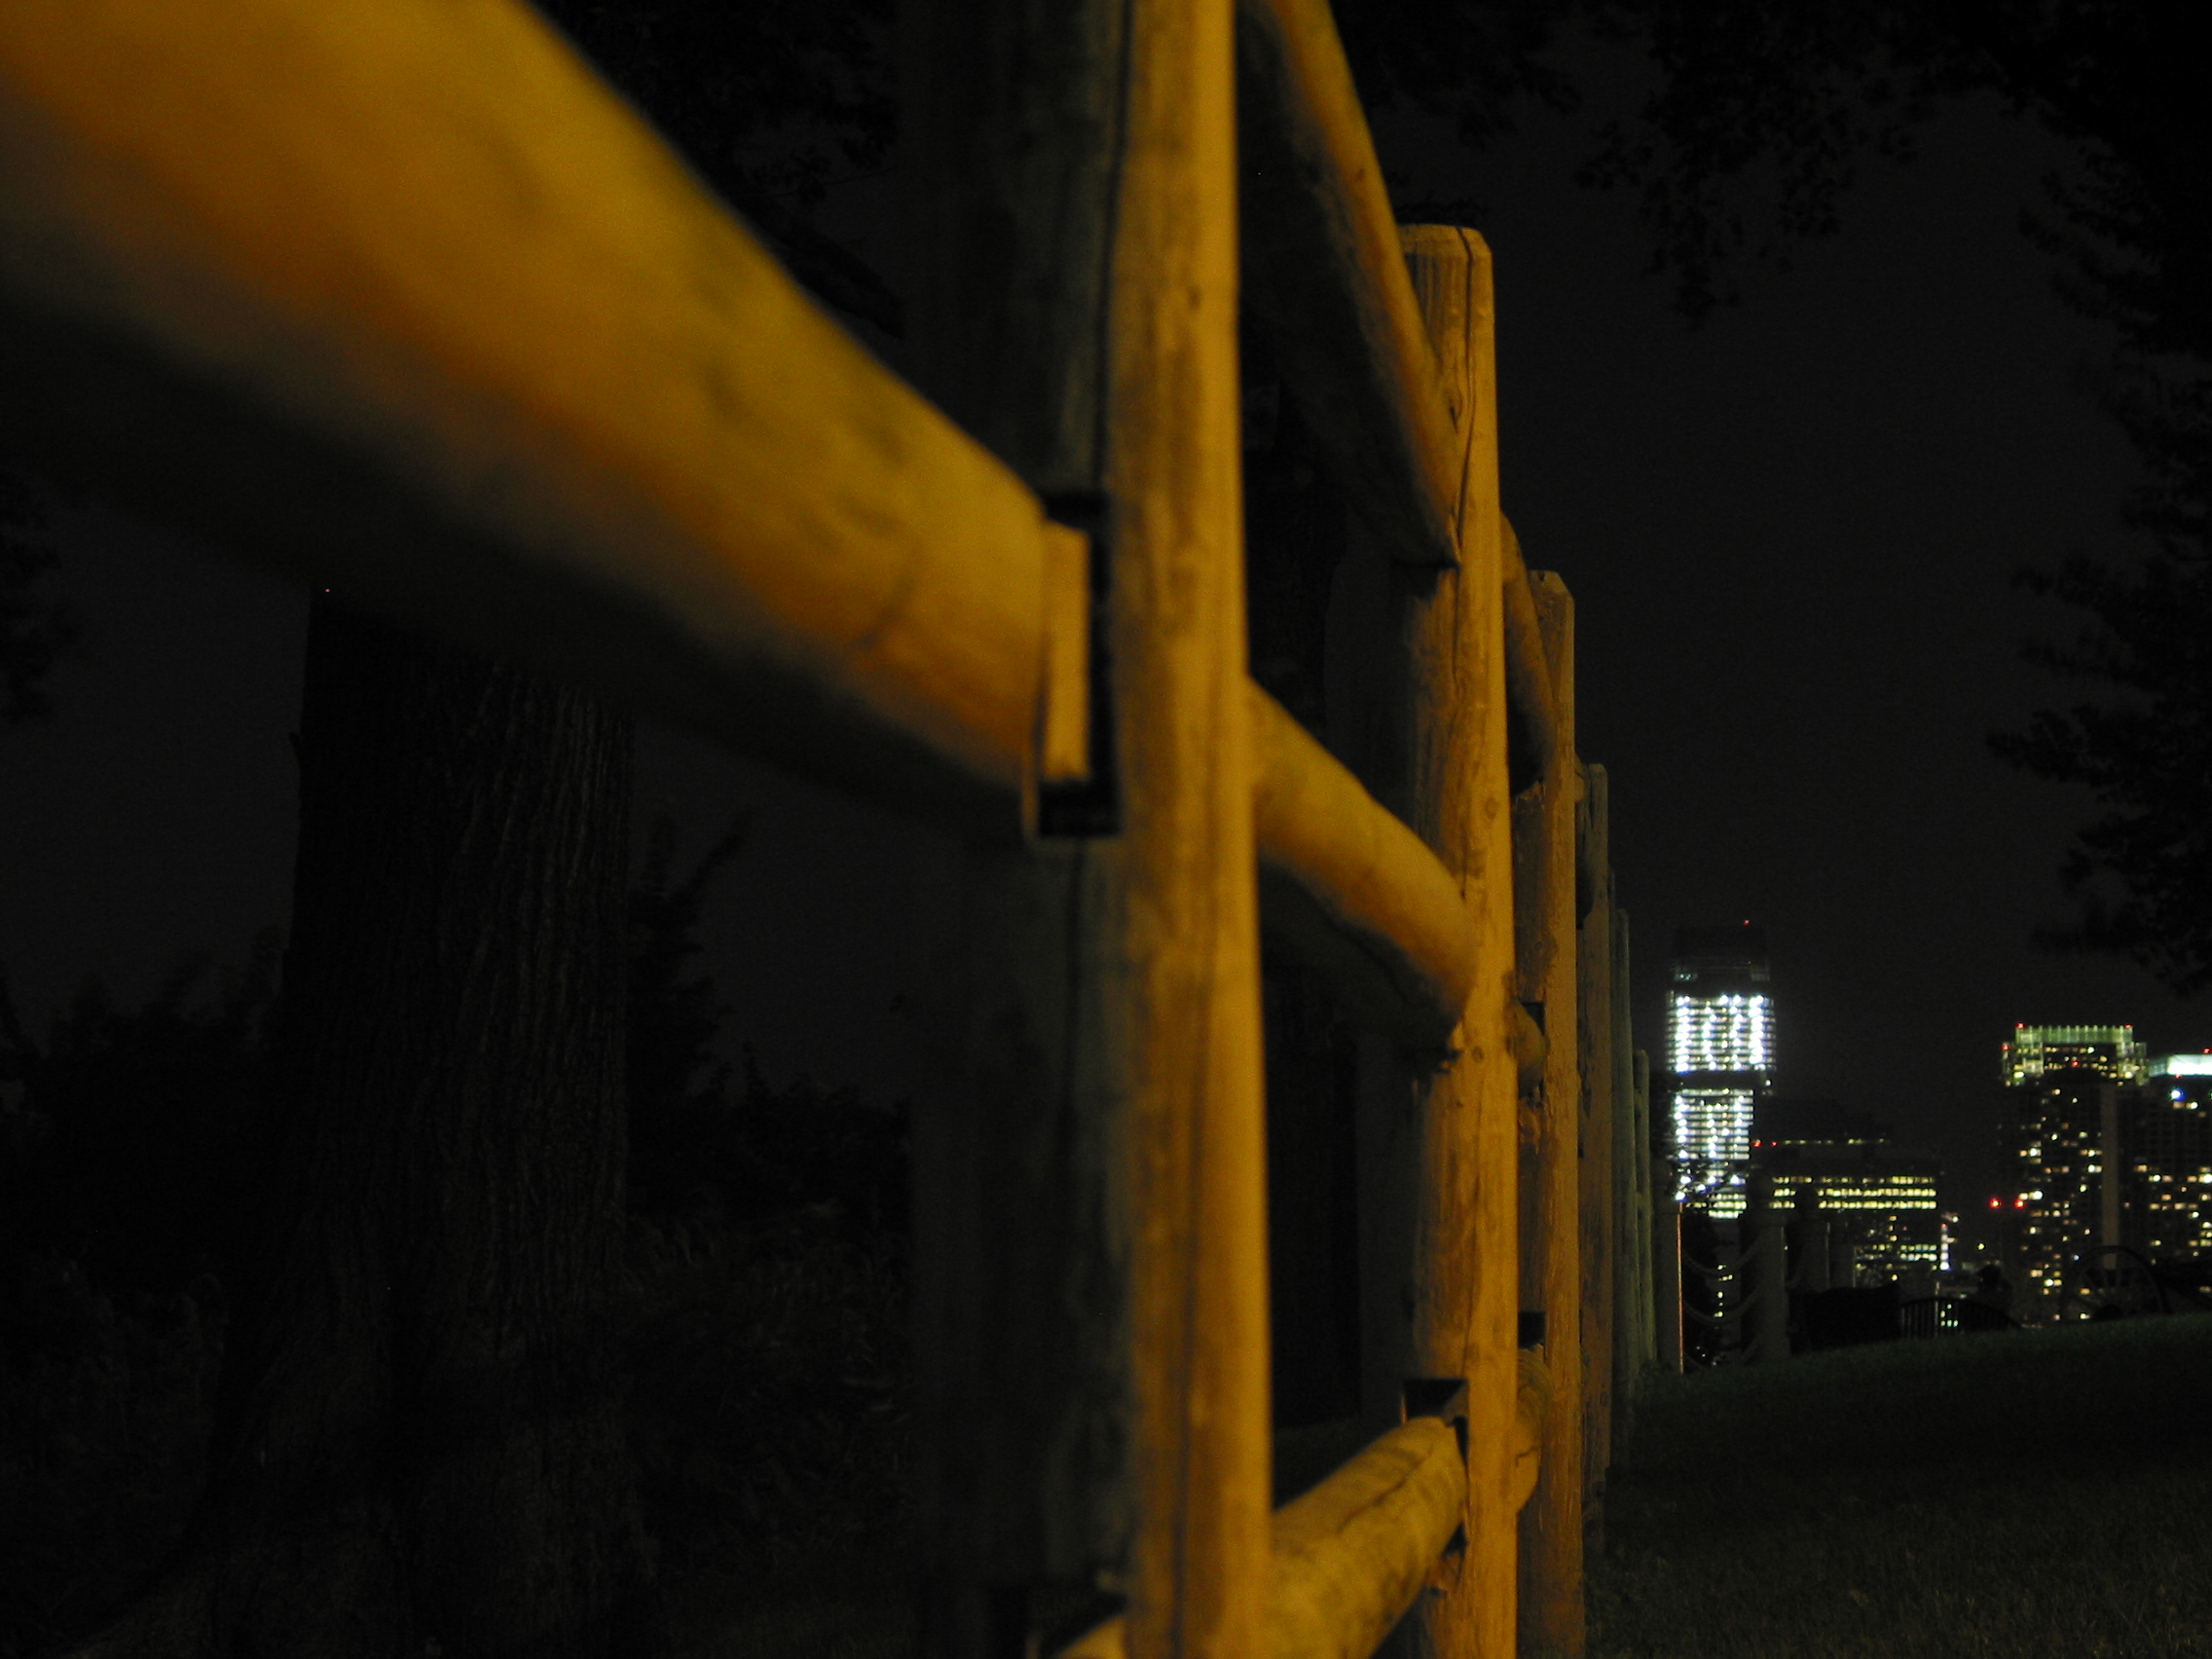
x=396, y=295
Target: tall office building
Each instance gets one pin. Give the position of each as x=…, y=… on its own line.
x=1721, y=1050
x=2107, y=1050
x=2065, y=1085
x=1882, y=1195
x=2166, y=1150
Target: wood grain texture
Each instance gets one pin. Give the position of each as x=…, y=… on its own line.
x=1098, y=1314
x=1551, y=1604
x=1528, y=677
x=1595, y=1024
x=1381, y=913
x=1327, y=283
x=1350, y=1555
x=1463, y=1277
x=1631, y=1348
x=1531, y=1403
x=1198, y=1303
x=1667, y=1265
x=1024, y=1492
x=399, y=296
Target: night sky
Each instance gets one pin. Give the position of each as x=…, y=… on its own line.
x=1790, y=535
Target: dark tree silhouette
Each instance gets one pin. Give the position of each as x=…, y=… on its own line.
x=133, y=1120
x=1760, y=115
x=35, y=629
x=2135, y=242
x=770, y=102
x=419, y=1442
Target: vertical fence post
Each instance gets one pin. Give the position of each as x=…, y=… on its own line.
x=1091, y=1302
x=1594, y=1022
x=1652, y=1194
x=1551, y=1613
x=1200, y=1566
x=1024, y=1492
x=1764, y=1276
x=1464, y=1289
x=1667, y=1265
x=1631, y=1217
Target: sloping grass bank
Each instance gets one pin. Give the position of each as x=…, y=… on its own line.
x=2041, y=1495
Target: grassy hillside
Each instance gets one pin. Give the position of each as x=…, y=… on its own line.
x=2025, y=1494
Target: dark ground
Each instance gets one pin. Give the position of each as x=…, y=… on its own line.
x=2040, y=1495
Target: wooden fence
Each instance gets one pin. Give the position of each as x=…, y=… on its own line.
x=395, y=294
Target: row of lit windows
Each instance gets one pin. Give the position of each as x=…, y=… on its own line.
x=1843, y=1199
x=2109, y=1050
x=1712, y=1126
x=1720, y=1034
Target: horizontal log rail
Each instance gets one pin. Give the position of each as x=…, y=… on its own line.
x=396, y=295
x=1531, y=1395
x=1351, y=1554
x=400, y=297
x=1355, y=890
x=1527, y=666
x=1325, y=278
x=710, y=499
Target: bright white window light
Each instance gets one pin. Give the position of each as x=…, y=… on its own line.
x=1732, y=1032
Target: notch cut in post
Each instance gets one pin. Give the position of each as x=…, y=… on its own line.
x=1077, y=789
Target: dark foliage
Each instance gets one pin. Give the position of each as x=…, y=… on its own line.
x=674, y=1012
x=769, y=1403
x=1761, y=114
x=120, y=1178
x=1473, y=61
x=765, y=1324
x=771, y=102
x=35, y=629
x=1760, y=120
x=2135, y=238
x=770, y=1160
x=126, y=1145
x=106, y=1402
x=2144, y=751
x=708, y=1142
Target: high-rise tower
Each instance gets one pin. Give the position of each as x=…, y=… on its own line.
x=2064, y=1120
x=2168, y=1159
x=1721, y=1050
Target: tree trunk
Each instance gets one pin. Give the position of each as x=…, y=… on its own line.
x=419, y=1447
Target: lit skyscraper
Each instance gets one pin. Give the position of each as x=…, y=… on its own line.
x=1721, y=1050
x=2064, y=1124
x=2109, y=1050
x=1881, y=1195
x=2167, y=1146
